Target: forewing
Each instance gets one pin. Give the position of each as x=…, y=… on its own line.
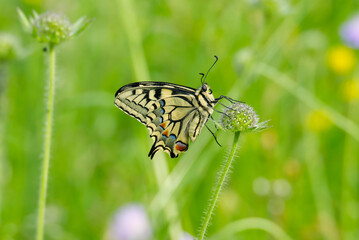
x=136, y=98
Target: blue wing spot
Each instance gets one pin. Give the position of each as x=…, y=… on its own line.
x=173, y=136
x=161, y=119
x=162, y=111
x=162, y=128
x=163, y=135
x=162, y=102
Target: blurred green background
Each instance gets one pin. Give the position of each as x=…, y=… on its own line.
x=284, y=58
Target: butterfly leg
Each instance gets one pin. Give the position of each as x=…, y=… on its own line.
x=215, y=137
x=221, y=112
x=225, y=106
x=228, y=99
x=214, y=124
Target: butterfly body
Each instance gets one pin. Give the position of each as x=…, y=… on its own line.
x=172, y=113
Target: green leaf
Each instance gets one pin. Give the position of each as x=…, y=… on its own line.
x=80, y=25
x=261, y=126
x=24, y=21
x=36, y=15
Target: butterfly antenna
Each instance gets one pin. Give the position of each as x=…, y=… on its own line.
x=210, y=67
x=202, y=74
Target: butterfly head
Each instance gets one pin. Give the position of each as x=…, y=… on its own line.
x=205, y=92
x=205, y=89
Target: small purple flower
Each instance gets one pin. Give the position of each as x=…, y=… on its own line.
x=349, y=31
x=186, y=236
x=130, y=223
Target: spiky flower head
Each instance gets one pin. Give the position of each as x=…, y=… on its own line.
x=240, y=117
x=9, y=47
x=52, y=28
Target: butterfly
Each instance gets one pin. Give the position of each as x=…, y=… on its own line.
x=172, y=113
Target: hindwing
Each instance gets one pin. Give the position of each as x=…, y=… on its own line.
x=172, y=113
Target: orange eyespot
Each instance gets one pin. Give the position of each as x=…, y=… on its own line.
x=180, y=146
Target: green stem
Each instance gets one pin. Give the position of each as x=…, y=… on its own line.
x=223, y=176
x=47, y=146
x=140, y=66
x=4, y=77
x=129, y=19
x=349, y=221
x=321, y=192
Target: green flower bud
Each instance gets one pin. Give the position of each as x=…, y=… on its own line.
x=52, y=28
x=240, y=117
x=9, y=47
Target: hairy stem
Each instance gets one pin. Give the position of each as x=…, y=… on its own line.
x=47, y=146
x=223, y=175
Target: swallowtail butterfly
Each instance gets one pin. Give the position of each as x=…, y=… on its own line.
x=172, y=113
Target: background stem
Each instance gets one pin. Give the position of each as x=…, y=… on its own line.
x=142, y=72
x=4, y=77
x=223, y=176
x=271, y=228
x=47, y=146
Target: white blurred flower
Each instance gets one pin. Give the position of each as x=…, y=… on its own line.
x=276, y=206
x=283, y=6
x=261, y=186
x=282, y=188
x=130, y=223
x=314, y=40
x=277, y=192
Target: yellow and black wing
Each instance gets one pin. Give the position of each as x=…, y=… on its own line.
x=172, y=113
